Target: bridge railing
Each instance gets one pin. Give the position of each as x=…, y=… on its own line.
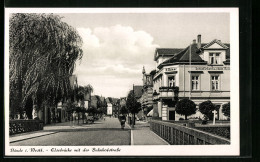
x=22, y=126
x=176, y=134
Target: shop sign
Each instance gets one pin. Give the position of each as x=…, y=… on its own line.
x=170, y=69
x=212, y=68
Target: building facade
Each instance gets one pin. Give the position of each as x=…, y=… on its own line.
x=147, y=92
x=200, y=72
x=109, y=107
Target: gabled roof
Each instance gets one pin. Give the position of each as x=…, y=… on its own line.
x=114, y=100
x=166, y=52
x=215, y=41
x=95, y=97
x=108, y=100
x=138, y=91
x=102, y=99
x=184, y=55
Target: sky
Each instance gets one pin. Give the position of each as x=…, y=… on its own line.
x=116, y=46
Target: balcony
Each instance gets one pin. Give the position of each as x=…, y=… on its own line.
x=168, y=89
x=166, y=92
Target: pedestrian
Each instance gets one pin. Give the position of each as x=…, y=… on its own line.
x=25, y=116
x=74, y=117
x=122, y=120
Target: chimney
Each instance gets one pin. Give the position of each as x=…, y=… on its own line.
x=199, y=41
x=194, y=41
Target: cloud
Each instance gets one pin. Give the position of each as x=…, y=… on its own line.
x=116, y=52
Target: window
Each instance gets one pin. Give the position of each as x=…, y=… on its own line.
x=171, y=81
x=214, y=58
x=215, y=82
x=195, y=82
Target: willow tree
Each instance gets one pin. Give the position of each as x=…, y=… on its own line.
x=43, y=51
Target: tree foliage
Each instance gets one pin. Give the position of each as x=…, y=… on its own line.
x=226, y=109
x=83, y=91
x=43, y=51
x=123, y=110
x=131, y=103
x=186, y=107
x=206, y=108
x=92, y=111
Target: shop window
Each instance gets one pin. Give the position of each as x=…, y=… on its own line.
x=171, y=81
x=215, y=83
x=195, y=82
x=214, y=58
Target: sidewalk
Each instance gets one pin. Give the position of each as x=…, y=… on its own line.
x=47, y=130
x=142, y=135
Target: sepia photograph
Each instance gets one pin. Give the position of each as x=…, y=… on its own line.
x=121, y=81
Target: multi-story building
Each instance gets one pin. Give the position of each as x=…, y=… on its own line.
x=115, y=106
x=94, y=101
x=201, y=71
x=147, y=92
x=109, y=107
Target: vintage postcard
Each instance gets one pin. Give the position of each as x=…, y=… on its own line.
x=121, y=82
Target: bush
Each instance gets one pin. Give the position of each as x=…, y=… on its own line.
x=206, y=108
x=226, y=109
x=185, y=107
x=204, y=122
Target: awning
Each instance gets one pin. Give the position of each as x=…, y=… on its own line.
x=150, y=113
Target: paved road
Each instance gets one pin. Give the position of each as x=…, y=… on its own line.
x=102, y=132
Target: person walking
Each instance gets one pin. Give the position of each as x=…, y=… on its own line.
x=122, y=120
x=74, y=117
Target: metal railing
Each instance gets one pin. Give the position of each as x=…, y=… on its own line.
x=176, y=134
x=22, y=126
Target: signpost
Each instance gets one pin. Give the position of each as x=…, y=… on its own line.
x=214, y=120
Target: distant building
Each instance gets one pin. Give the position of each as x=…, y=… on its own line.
x=109, y=107
x=94, y=101
x=112, y=106
x=59, y=113
x=115, y=106
x=147, y=92
x=201, y=71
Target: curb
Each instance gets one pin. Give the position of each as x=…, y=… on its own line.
x=132, y=134
x=32, y=137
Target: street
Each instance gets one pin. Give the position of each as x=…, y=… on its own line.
x=102, y=132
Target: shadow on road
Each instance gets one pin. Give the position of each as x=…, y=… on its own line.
x=85, y=129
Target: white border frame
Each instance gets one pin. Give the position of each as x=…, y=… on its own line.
x=151, y=150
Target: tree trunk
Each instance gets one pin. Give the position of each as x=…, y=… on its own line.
x=186, y=117
x=83, y=115
x=34, y=109
x=133, y=120
x=78, y=118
